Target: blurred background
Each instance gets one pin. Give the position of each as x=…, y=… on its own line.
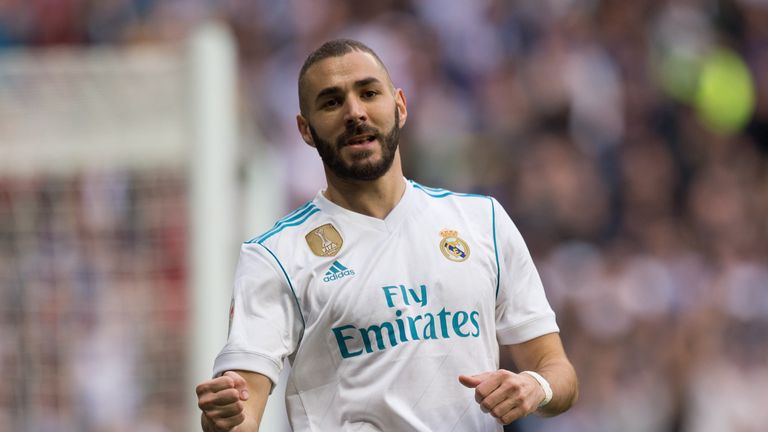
x=142, y=140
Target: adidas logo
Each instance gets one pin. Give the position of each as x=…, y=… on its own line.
x=337, y=271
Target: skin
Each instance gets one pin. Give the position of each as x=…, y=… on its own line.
x=344, y=96
x=234, y=401
x=508, y=396
x=344, y=91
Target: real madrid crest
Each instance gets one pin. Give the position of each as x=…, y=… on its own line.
x=452, y=247
x=324, y=240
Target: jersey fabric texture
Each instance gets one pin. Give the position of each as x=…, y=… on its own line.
x=379, y=317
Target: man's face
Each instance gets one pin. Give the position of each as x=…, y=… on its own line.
x=353, y=116
x=361, y=164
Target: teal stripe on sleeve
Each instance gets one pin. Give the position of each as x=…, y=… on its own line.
x=300, y=214
x=282, y=220
x=291, y=214
x=442, y=193
x=290, y=284
x=286, y=225
x=290, y=218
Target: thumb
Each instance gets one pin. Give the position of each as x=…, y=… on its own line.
x=472, y=381
x=240, y=384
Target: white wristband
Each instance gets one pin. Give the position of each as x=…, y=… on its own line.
x=544, y=386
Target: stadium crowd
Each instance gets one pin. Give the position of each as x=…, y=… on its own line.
x=628, y=141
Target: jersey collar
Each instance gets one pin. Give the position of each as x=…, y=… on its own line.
x=388, y=224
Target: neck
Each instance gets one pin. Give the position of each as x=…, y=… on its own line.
x=375, y=198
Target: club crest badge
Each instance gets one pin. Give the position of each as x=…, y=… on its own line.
x=453, y=247
x=324, y=240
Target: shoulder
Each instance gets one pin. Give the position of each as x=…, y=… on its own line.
x=439, y=193
x=281, y=246
x=459, y=200
x=483, y=212
x=289, y=226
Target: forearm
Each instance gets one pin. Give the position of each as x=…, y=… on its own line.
x=545, y=356
x=565, y=388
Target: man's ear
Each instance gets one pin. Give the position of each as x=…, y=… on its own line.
x=402, y=106
x=303, y=127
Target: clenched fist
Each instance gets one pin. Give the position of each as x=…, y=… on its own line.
x=222, y=401
x=505, y=395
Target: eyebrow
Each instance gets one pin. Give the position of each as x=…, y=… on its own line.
x=337, y=90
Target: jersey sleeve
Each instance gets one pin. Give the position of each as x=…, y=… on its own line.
x=265, y=323
x=522, y=310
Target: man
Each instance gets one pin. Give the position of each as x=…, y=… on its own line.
x=392, y=300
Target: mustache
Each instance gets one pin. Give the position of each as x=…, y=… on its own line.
x=355, y=130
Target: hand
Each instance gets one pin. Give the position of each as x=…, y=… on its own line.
x=507, y=396
x=222, y=401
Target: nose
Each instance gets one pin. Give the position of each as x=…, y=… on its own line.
x=355, y=112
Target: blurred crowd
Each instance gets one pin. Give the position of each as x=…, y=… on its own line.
x=627, y=140
x=92, y=302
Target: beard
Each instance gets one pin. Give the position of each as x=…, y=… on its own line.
x=359, y=168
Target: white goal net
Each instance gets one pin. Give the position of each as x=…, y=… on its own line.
x=99, y=181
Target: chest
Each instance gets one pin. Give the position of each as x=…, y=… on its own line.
x=425, y=267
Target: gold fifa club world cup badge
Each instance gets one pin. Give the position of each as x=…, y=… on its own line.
x=324, y=240
x=452, y=247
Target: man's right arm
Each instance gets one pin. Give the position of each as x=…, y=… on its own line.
x=237, y=398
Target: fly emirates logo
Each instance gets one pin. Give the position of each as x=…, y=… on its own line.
x=354, y=341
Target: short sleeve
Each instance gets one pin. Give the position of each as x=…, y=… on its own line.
x=522, y=310
x=265, y=322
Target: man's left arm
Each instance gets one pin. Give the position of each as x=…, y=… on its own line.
x=507, y=395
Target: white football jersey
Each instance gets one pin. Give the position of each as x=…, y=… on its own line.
x=379, y=317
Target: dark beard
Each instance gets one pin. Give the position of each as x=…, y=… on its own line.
x=330, y=153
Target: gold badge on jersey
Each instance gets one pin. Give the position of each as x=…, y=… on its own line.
x=324, y=240
x=452, y=247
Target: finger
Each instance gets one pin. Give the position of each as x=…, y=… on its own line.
x=503, y=408
x=488, y=386
x=215, y=385
x=240, y=384
x=508, y=389
x=226, y=397
x=469, y=381
x=472, y=381
x=210, y=402
x=227, y=423
x=226, y=411
x=512, y=415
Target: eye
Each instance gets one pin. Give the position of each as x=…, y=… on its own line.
x=368, y=94
x=330, y=103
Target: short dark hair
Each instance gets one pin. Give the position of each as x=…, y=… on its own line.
x=332, y=48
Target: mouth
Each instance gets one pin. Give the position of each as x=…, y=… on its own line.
x=360, y=140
